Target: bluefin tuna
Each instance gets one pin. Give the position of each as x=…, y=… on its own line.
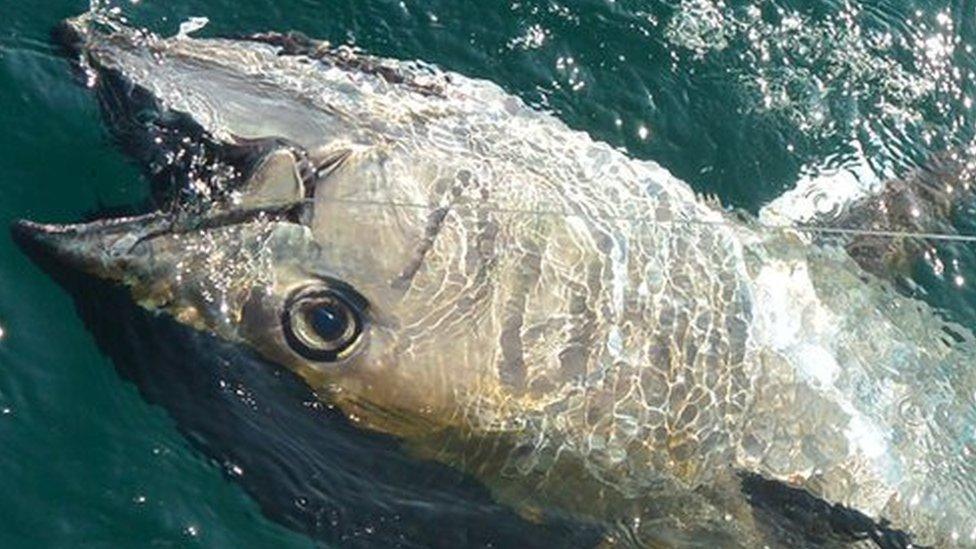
x=572, y=326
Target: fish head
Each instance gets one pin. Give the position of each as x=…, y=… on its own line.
x=311, y=253
x=314, y=285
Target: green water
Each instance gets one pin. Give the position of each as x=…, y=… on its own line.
x=739, y=100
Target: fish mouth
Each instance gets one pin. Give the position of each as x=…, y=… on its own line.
x=176, y=151
x=181, y=157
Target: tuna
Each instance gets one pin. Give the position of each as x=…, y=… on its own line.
x=572, y=326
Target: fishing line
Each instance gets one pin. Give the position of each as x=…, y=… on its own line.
x=838, y=231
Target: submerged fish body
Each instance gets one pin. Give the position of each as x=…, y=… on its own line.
x=570, y=325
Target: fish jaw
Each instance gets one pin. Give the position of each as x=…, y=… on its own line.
x=104, y=248
x=177, y=266
x=215, y=87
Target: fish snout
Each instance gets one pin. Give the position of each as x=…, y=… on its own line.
x=51, y=241
x=102, y=248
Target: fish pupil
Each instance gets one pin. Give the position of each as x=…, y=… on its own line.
x=328, y=321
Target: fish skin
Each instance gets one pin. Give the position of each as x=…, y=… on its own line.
x=540, y=306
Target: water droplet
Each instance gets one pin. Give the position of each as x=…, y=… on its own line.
x=191, y=25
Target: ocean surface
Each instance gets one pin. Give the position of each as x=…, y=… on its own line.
x=114, y=432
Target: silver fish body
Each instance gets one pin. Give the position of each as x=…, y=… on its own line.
x=571, y=325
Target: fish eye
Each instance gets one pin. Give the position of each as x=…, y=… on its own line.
x=323, y=323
